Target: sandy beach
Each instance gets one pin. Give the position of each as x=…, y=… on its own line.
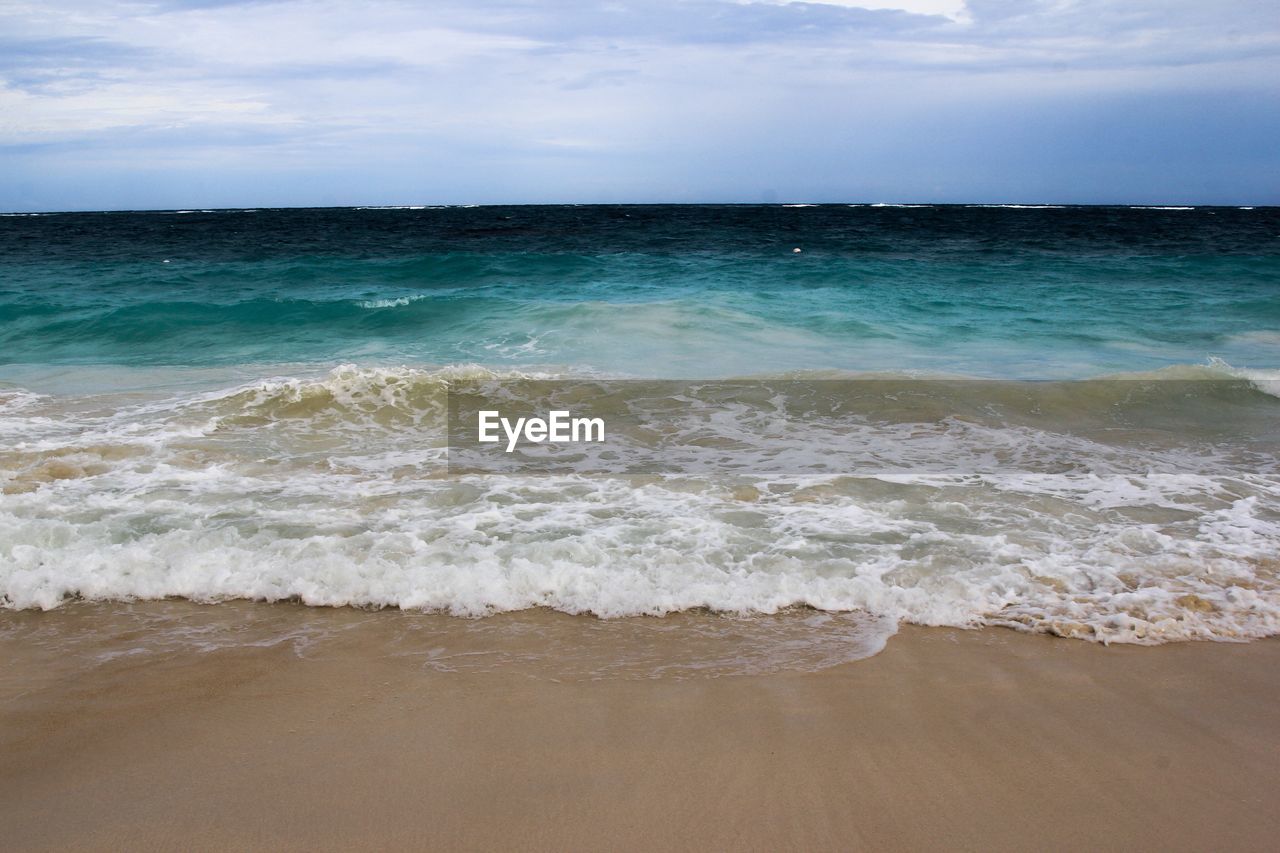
x=283, y=727
x=733, y=425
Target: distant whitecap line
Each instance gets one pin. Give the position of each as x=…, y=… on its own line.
x=390, y=303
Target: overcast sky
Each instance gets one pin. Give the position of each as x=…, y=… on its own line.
x=218, y=103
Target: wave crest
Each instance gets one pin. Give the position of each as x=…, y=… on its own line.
x=333, y=490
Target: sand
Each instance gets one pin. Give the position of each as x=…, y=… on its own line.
x=970, y=740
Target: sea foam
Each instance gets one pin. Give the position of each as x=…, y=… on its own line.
x=332, y=490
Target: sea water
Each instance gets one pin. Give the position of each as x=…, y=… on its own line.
x=1075, y=429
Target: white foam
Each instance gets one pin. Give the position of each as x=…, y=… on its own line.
x=396, y=302
x=1266, y=381
x=16, y=399
x=331, y=490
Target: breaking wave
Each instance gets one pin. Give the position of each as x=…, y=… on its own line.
x=1141, y=509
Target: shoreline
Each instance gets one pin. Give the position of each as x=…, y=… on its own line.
x=983, y=739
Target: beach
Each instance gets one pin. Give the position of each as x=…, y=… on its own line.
x=733, y=425
x=261, y=731
x=957, y=529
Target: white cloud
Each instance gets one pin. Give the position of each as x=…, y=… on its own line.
x=538, y=71
x=505, y=86
x=954, y=9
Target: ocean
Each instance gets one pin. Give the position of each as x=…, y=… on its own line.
x=1057, y=419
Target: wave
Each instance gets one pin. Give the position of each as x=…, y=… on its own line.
x=1156, y=518
x=396, y=302
x=857, y=297
x=1256, y=337
x=232, y=332
x=1213, y=369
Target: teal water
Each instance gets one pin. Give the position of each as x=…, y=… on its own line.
x=650, y=291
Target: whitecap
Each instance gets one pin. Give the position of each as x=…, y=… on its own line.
x=393, y=302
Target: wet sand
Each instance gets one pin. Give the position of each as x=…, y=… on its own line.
x=332, y=733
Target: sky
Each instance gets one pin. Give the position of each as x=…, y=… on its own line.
x=163, y=104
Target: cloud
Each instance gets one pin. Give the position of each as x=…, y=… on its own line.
x=563, y=99
x=953, y=9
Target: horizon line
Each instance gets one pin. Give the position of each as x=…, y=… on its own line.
x=1026, y=205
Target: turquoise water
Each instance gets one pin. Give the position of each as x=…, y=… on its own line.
x=650, y=291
